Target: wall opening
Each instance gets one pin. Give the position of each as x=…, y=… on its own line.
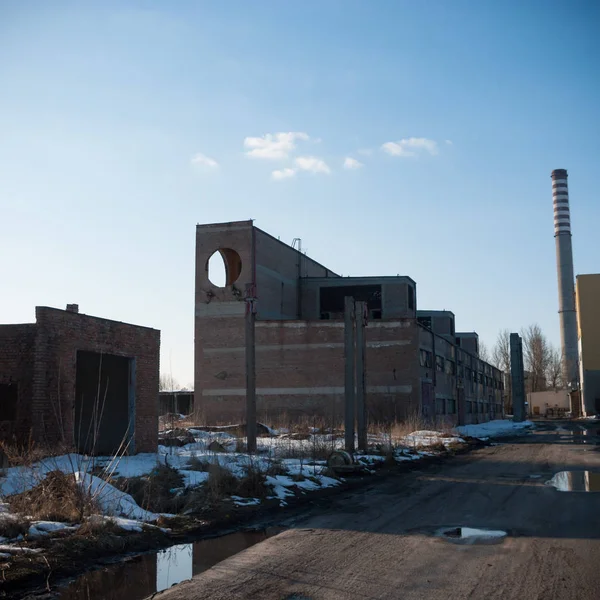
x=103, y=403
x=9, y=395
x=332, y=300
x=224, y=267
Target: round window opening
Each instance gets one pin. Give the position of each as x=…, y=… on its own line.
x=224, y=267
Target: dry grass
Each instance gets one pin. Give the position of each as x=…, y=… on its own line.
x=153, y=492
x=11, y=526
x=26, y=454
x=96, y=526
x=58, y=497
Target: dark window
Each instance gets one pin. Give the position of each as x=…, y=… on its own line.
x=451, y=406
x=9, y=395
x=425, y=358
x=450, y=367
x=440, y=406
x=439, y=364
x=469, y=407
x=332, y=298
x=425, y=321
x=375, y=314
x=411, y=297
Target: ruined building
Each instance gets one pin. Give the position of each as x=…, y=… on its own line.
x=78, y=380
x=415, y=361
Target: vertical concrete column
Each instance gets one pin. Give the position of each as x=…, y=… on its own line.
x=517, y=377
x=361, y=404
x=250, y=368
x=349, y=380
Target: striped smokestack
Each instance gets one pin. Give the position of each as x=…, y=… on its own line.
x=564, y=267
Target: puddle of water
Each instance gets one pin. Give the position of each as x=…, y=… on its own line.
x=145, y=575
x=470, y=535
x=576, y=481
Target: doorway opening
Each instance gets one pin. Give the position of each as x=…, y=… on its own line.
x=104, y=403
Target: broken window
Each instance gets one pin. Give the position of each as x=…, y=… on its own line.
x=425, y=358
x=424, y=321
x=440, y=406
x=439, y=364
x=451, y=406
x=8, y=401
x=411, y=297
x=332, y=299
x=450, y=367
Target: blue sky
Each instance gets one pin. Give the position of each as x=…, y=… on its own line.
x=122, y=125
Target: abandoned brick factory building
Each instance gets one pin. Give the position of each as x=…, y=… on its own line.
x=415, y=360
x=79, y=380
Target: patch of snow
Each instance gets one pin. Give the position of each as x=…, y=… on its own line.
x=193, y=478
x=44, y=528
x=430, y=438
x=112, y=501
x=13, y=549
x=497, y=428
x=239, y=501
x=4, y=555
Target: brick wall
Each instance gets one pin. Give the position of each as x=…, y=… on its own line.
x=16, y=366
x=60, y=334
x=300, y=370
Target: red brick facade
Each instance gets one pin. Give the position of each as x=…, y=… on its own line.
x=45, y=369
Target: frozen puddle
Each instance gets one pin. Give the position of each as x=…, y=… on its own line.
x=576, y=481
x=150, y=573
x=470, y=535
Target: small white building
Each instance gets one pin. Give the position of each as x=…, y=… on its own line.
x=548, y=404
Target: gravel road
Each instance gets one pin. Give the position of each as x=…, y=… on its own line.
x=383, y=542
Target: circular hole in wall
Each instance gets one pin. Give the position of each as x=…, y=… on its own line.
x=224, y=267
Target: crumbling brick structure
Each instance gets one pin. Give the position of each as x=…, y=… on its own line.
x=79, y=380
x=415, y=362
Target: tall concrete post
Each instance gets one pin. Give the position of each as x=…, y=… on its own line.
x=566, y=286
x=349, y=380
x=517, y=377
x=361, y=396
x=250, y=368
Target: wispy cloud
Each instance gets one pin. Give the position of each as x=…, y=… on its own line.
x=280, y=174
x=312, y=164
x=274, y=146
x=352, y=163
x=411, y=147
x=365, y=151
x=449, y=142
x=201, y=160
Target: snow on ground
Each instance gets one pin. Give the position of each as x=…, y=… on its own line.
x=496, y=428
x=430, y=438
x=39, y=529
x=112, y=501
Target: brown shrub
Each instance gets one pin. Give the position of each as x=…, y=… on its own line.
x=153, y=491
x=58, y=497
x=11, y=526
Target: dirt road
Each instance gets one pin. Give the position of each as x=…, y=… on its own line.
x=381, y=542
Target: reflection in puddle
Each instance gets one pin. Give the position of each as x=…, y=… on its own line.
x=470, y=535
x=576, y=481
x=143, y=576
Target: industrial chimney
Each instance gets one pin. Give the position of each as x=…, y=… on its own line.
x=564, y=266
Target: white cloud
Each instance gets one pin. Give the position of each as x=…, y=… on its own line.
x=449, y=142
x=274, y=146
x=280, y=174
x=204, y=161
x=410, y=147
x=352, y=163
x=312, y=164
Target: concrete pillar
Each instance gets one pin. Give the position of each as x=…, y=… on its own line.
x=250, y=369
x=517, y=377
x=361, y=396
x=349, y=381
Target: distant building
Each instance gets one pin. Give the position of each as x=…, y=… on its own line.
x=548, y=404
x=588, y=330
x=81, y=381
x=414, y=362
x=179, y=402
